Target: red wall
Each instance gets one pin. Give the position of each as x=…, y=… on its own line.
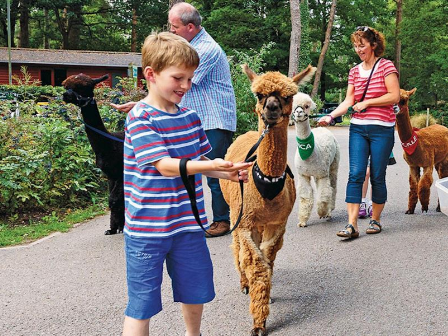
x=34, y=71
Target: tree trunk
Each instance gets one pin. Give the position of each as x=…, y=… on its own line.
x=75, y=22
x=61, y=21
x=24, y=35
x=325, y=46
x=296, y=33
x=173, y=2
x=134, y=30
x=398, y=17
x=46, y=26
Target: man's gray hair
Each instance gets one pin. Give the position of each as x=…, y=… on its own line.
x=188, y=14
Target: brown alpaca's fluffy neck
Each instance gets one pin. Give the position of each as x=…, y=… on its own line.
x=404, y=126
x=272, y=152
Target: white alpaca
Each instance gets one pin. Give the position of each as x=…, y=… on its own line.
x=322, y=162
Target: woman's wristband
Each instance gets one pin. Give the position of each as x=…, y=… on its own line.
x=330, y=117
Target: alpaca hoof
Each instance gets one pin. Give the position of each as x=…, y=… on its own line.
x=438, y=209
x=245, y=290
x=258, y=332
x=110, y=232
x=409, y=212
x=302, y=225
x=271, y=300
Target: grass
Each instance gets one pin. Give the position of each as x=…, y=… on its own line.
x=11, y=234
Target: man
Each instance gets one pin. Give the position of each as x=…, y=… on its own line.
x=211, y=96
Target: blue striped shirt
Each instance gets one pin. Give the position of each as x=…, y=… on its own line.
x=155, y=205
x=211, y=94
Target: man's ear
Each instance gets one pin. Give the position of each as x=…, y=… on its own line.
x=148, y=73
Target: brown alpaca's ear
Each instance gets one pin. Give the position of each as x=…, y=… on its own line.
x=411, y=92
x=102, y=78
x=305, y=75
x=249, y=72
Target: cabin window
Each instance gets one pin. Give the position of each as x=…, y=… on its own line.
x=45, y=77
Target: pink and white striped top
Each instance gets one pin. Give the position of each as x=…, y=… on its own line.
x=377, y=87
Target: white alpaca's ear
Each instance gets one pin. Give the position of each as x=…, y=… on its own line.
x=313, y=106
x=249, y=72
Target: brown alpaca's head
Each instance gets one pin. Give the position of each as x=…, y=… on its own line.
x=404, y=97
x=80, y=87
x=274, y=93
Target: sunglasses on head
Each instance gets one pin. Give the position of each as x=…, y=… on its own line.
x=362, y=28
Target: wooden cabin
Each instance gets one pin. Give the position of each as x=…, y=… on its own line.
x=51, y=66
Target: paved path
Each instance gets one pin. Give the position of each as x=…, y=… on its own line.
x=394, y=283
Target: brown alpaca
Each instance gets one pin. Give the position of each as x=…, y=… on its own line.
x=425, y=148
x=259, y=235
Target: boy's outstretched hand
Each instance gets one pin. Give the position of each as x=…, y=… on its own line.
x=235, y=171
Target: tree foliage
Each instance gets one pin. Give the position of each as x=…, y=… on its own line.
x=245, y=25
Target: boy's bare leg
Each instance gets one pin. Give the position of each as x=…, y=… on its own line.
x=192, y=314
x=134, y=327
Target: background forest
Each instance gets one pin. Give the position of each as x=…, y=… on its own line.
x=47, y=166
x=416, y=32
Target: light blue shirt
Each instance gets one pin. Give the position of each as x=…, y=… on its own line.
x=211, y=94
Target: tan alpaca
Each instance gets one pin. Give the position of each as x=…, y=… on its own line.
x=429, y=147
x=260, y=233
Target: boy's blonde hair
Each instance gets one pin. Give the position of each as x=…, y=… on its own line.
x=162, y=50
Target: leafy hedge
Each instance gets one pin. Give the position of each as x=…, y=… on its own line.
x=45, y=158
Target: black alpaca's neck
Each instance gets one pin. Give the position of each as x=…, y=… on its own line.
x=91, y=117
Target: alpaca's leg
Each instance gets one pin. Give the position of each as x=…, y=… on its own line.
x=258, y=272
x=414, y=177
x=424, y=187
x=324, y=195
x=272, y=242
x=334, y=167
x=306, y=199
x=240, y=262
x=116, y=206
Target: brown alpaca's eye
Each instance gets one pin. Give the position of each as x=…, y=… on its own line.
x=259, y=96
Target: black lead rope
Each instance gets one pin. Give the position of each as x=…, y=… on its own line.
x=189, y=182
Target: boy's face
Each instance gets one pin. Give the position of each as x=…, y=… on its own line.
x=170, y=84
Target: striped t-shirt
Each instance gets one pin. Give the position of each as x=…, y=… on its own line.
x=211, y=94
x=155, y=205
x=377, y=87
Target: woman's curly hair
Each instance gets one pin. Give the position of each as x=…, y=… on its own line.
x=373, y=36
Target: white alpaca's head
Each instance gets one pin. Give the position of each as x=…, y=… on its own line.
x=302, y=105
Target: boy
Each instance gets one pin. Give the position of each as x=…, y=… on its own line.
x=160, y=224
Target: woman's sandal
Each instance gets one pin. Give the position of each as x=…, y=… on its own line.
x=348, y=232
x=374, y=227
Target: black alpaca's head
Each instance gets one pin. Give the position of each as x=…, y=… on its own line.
x=80, y=88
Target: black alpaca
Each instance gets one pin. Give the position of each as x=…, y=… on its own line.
x=108, y=152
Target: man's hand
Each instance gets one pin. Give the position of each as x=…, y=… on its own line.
x=126, y=107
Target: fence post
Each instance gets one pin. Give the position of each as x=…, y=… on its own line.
x=427, y=117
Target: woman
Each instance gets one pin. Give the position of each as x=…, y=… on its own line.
x=371, y=127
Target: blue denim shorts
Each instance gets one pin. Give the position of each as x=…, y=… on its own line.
x=188, y=264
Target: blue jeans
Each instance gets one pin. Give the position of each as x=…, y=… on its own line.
x=376, y=141
x=220, y=141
